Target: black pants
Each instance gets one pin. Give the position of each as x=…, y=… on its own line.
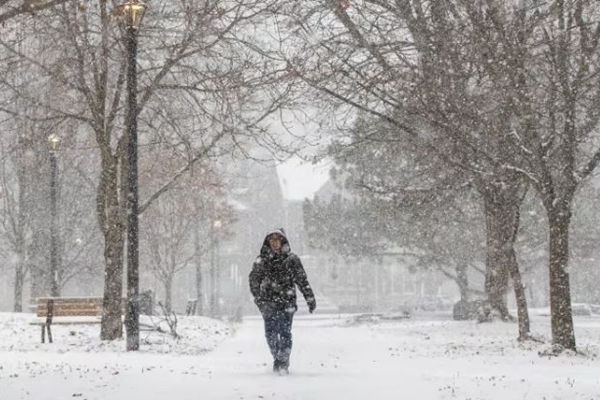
x=278, y=331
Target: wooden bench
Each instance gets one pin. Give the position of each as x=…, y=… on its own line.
x=77, y=308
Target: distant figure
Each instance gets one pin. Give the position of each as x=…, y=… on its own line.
x=272, y=280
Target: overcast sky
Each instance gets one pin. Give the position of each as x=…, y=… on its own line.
x=300, y=180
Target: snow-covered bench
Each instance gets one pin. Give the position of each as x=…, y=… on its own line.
x=69, y=311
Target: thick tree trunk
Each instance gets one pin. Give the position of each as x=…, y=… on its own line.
x=498, y=217
x=563, y=333
x=112, y=326
x=521, y=298
x=110, y=217
x=462, y=280
x=502, y=210
x=19, y=284
x=169, y=293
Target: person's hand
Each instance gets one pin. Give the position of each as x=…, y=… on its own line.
x=312, y=305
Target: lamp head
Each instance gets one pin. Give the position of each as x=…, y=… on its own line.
x=54, y=142
x=132, y=13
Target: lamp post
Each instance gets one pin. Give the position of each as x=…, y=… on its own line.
x=53, y=145
x=132, y=13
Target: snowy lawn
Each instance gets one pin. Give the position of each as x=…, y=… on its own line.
x=199, y=335
x=427, y=357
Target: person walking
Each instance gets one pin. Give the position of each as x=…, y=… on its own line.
x=273, y=280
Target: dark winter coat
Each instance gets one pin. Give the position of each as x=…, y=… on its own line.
x=274, y=276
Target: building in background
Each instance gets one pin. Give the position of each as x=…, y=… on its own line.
x=384, y=281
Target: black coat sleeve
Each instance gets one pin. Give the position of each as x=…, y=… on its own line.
x=301, y=280
x=255, y=279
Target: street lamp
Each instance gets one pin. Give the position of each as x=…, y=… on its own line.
x=132, y=13
x=53, y=145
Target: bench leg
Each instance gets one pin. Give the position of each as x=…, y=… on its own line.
x=43, y=333
x=49, y=334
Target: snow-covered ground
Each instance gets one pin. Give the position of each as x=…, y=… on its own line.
x=334, y=357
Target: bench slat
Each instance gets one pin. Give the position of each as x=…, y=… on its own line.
x=81, y=311
x=75, y=313
x=68, y=300
x=82, y=307
x=73, y=306
x=40, y=323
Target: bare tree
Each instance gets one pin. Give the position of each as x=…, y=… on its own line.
x=10, y=9
x=80, y=239
x=463, y=73
x=553, y=113
x=25, y=184
x=541, y=61
x=423, y=205
x=170, y=225
x=197, y=88
x=15, y=221
x=405, y=63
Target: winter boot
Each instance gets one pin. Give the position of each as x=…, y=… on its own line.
x=284, y=368
x=276, y=366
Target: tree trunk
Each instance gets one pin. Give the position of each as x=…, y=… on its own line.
x=199, y=294
x=19, y=283
x=38, y=260
x=20, y=233
x=521, y=298
x=563, y=333
x=498, y=217
x=462, y=280
x=110, y=217
x=217, y=276
x=169, y=293
x=502, y=209
x=212, y=279
x=112, y=326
